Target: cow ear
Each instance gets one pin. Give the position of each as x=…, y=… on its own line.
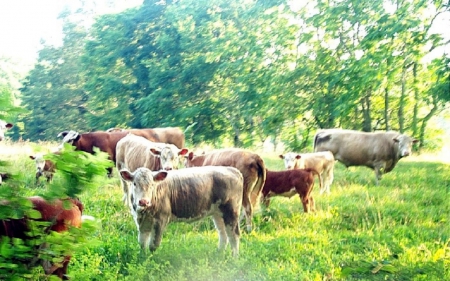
x=155, y=151
x=183, y=151
x=281, y=156
x=32, y=157
x=9, y=126
x=126, y=175
x=415, y=141
x=159, y=176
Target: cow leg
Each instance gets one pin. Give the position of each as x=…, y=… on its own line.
x=329, y=175
x=231, y=220
x=247, y=211
x=145, y=239
x=157, y=237
x=322, y=184
x=305, y=202
x=220, y=226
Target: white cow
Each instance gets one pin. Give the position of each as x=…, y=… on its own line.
x=322, y=162
x=379, y=151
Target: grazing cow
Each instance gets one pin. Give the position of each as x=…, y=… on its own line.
x=288, y=183
x=252, y=167
x=186, y=195
x=135, y=151
x=379, y=151
x=44, y=167
x=4, y=126
x=322, y=162
x=61, y=214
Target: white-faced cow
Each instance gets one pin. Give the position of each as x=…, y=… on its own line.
x=44, y=167
x=379, y=151
x=288, y=183
x=322, y=162
x=159, y=197
x=250, y=164
x=4, y=126
x=135, y=151
x=62, y=214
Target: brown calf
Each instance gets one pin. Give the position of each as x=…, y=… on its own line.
x=288, y=183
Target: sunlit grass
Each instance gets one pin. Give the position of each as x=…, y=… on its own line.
x=398, y=230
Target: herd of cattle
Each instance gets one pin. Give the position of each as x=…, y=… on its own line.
x=163, y=181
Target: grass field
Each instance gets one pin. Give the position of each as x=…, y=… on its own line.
x=398, y=230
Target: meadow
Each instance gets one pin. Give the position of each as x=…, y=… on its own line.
x=398, y=230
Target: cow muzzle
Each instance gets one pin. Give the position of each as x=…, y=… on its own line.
x=144, y=203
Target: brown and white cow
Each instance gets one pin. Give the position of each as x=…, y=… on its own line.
x=190, y=194
x=322, y=162
x=44, y=167
x=290, y=182
x=135, y=151
x=4, y=126
x=250, y=164
x=62, y=214
x=379, y=151
x=173, y=135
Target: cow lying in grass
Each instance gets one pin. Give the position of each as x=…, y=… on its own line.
x=159, y=197
x=61, y=214
x=288, y=183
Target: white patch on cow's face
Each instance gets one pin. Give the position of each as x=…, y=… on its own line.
x=40, y=162
x=4, y=127
x=144, y=188
x=404, y=145
x=290, y=160
x=169, y=158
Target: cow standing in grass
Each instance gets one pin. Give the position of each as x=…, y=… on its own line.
x=44, y=167
x=159, y=197
x=289, y=183
x=322, y=162
x=379, y=151
x=250, y=164
x=135, y=151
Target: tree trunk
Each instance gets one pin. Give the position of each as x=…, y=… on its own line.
x=367, y=119
x=416, y=101
x=401, y=104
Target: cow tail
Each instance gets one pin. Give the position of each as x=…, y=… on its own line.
x=257, y=190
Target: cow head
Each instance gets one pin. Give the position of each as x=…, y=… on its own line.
x=69, y=136
x=4, y=127
x=405, y=144
x=169, y=155
x=40, y=163
x=144, y=183
x=290, y=160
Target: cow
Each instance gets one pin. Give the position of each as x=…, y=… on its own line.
x=189, y=194
x=4, y=126
x=250, y=164
x=379, y=151
x=171, y=135
x=62, y=214
x=136, y=151
x=44, y=167
x=322, y=162
x=288, y=183
x=4, y=176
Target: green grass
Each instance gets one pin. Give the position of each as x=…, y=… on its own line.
x=398, y=230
